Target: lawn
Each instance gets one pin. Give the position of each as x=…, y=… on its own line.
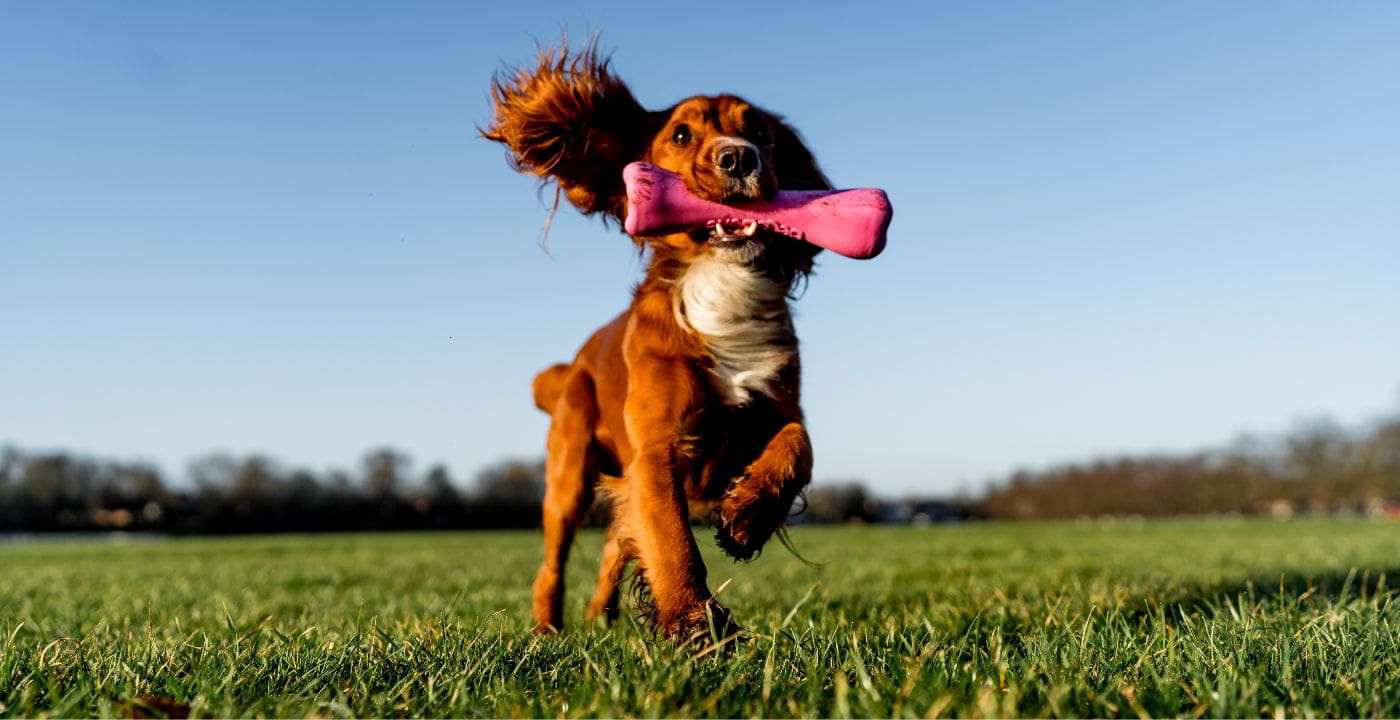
x=1197, y=618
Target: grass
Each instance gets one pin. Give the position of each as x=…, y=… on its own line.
x=1197, y=618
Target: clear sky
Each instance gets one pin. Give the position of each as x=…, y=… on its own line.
x=1120, y=226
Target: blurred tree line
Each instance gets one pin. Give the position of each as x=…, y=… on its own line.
x=58, y=492
x=1319, y=468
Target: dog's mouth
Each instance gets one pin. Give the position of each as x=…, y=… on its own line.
x=737, y=241
x=720, y=233
x=740, y=241
x=739, y=231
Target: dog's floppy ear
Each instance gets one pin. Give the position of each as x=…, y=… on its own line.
x=797, y=168
x=572, y=121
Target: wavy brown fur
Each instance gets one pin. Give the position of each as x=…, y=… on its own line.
x=569, y=119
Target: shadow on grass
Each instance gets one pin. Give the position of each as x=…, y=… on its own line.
x=1334, y=587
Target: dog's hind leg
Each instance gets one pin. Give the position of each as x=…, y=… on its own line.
x=606, y=598
x=570, y=474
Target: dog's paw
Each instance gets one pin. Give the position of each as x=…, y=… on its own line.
x=748, y=517
x=706, y=625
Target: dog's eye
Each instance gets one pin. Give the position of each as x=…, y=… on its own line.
x=681, y=135
x=759, y=134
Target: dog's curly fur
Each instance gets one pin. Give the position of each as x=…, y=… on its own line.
x=537, y=116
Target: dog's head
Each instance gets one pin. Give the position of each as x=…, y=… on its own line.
x=571, y=121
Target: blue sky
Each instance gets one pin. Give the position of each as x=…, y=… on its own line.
x=270, y=226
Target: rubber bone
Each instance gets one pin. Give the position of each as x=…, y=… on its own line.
x=850, y=222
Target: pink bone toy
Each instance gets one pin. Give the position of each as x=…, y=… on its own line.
x=850, y=222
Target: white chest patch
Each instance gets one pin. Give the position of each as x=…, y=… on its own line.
x=742, y=319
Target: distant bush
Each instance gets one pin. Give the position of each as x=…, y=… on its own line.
x=56, y=492
x=1317, y=469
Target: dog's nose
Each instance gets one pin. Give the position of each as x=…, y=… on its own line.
x=737, y=160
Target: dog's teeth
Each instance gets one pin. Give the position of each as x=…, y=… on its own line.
x=750, y=229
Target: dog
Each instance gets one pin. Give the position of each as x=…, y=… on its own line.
x=688, y=402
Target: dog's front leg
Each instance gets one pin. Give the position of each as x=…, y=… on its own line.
x=658, y=402
x=758, y=502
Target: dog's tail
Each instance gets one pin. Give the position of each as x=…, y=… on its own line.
x=549, y=385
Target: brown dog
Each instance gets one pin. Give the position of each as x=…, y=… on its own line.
x=688, y=401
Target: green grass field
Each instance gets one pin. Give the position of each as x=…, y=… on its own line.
x=1208, y=617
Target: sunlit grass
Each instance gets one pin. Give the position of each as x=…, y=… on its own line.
x=1209, y=617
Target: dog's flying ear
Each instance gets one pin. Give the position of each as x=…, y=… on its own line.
x=572, y=121
x=797, y=168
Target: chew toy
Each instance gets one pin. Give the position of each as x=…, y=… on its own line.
x=850, y=222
